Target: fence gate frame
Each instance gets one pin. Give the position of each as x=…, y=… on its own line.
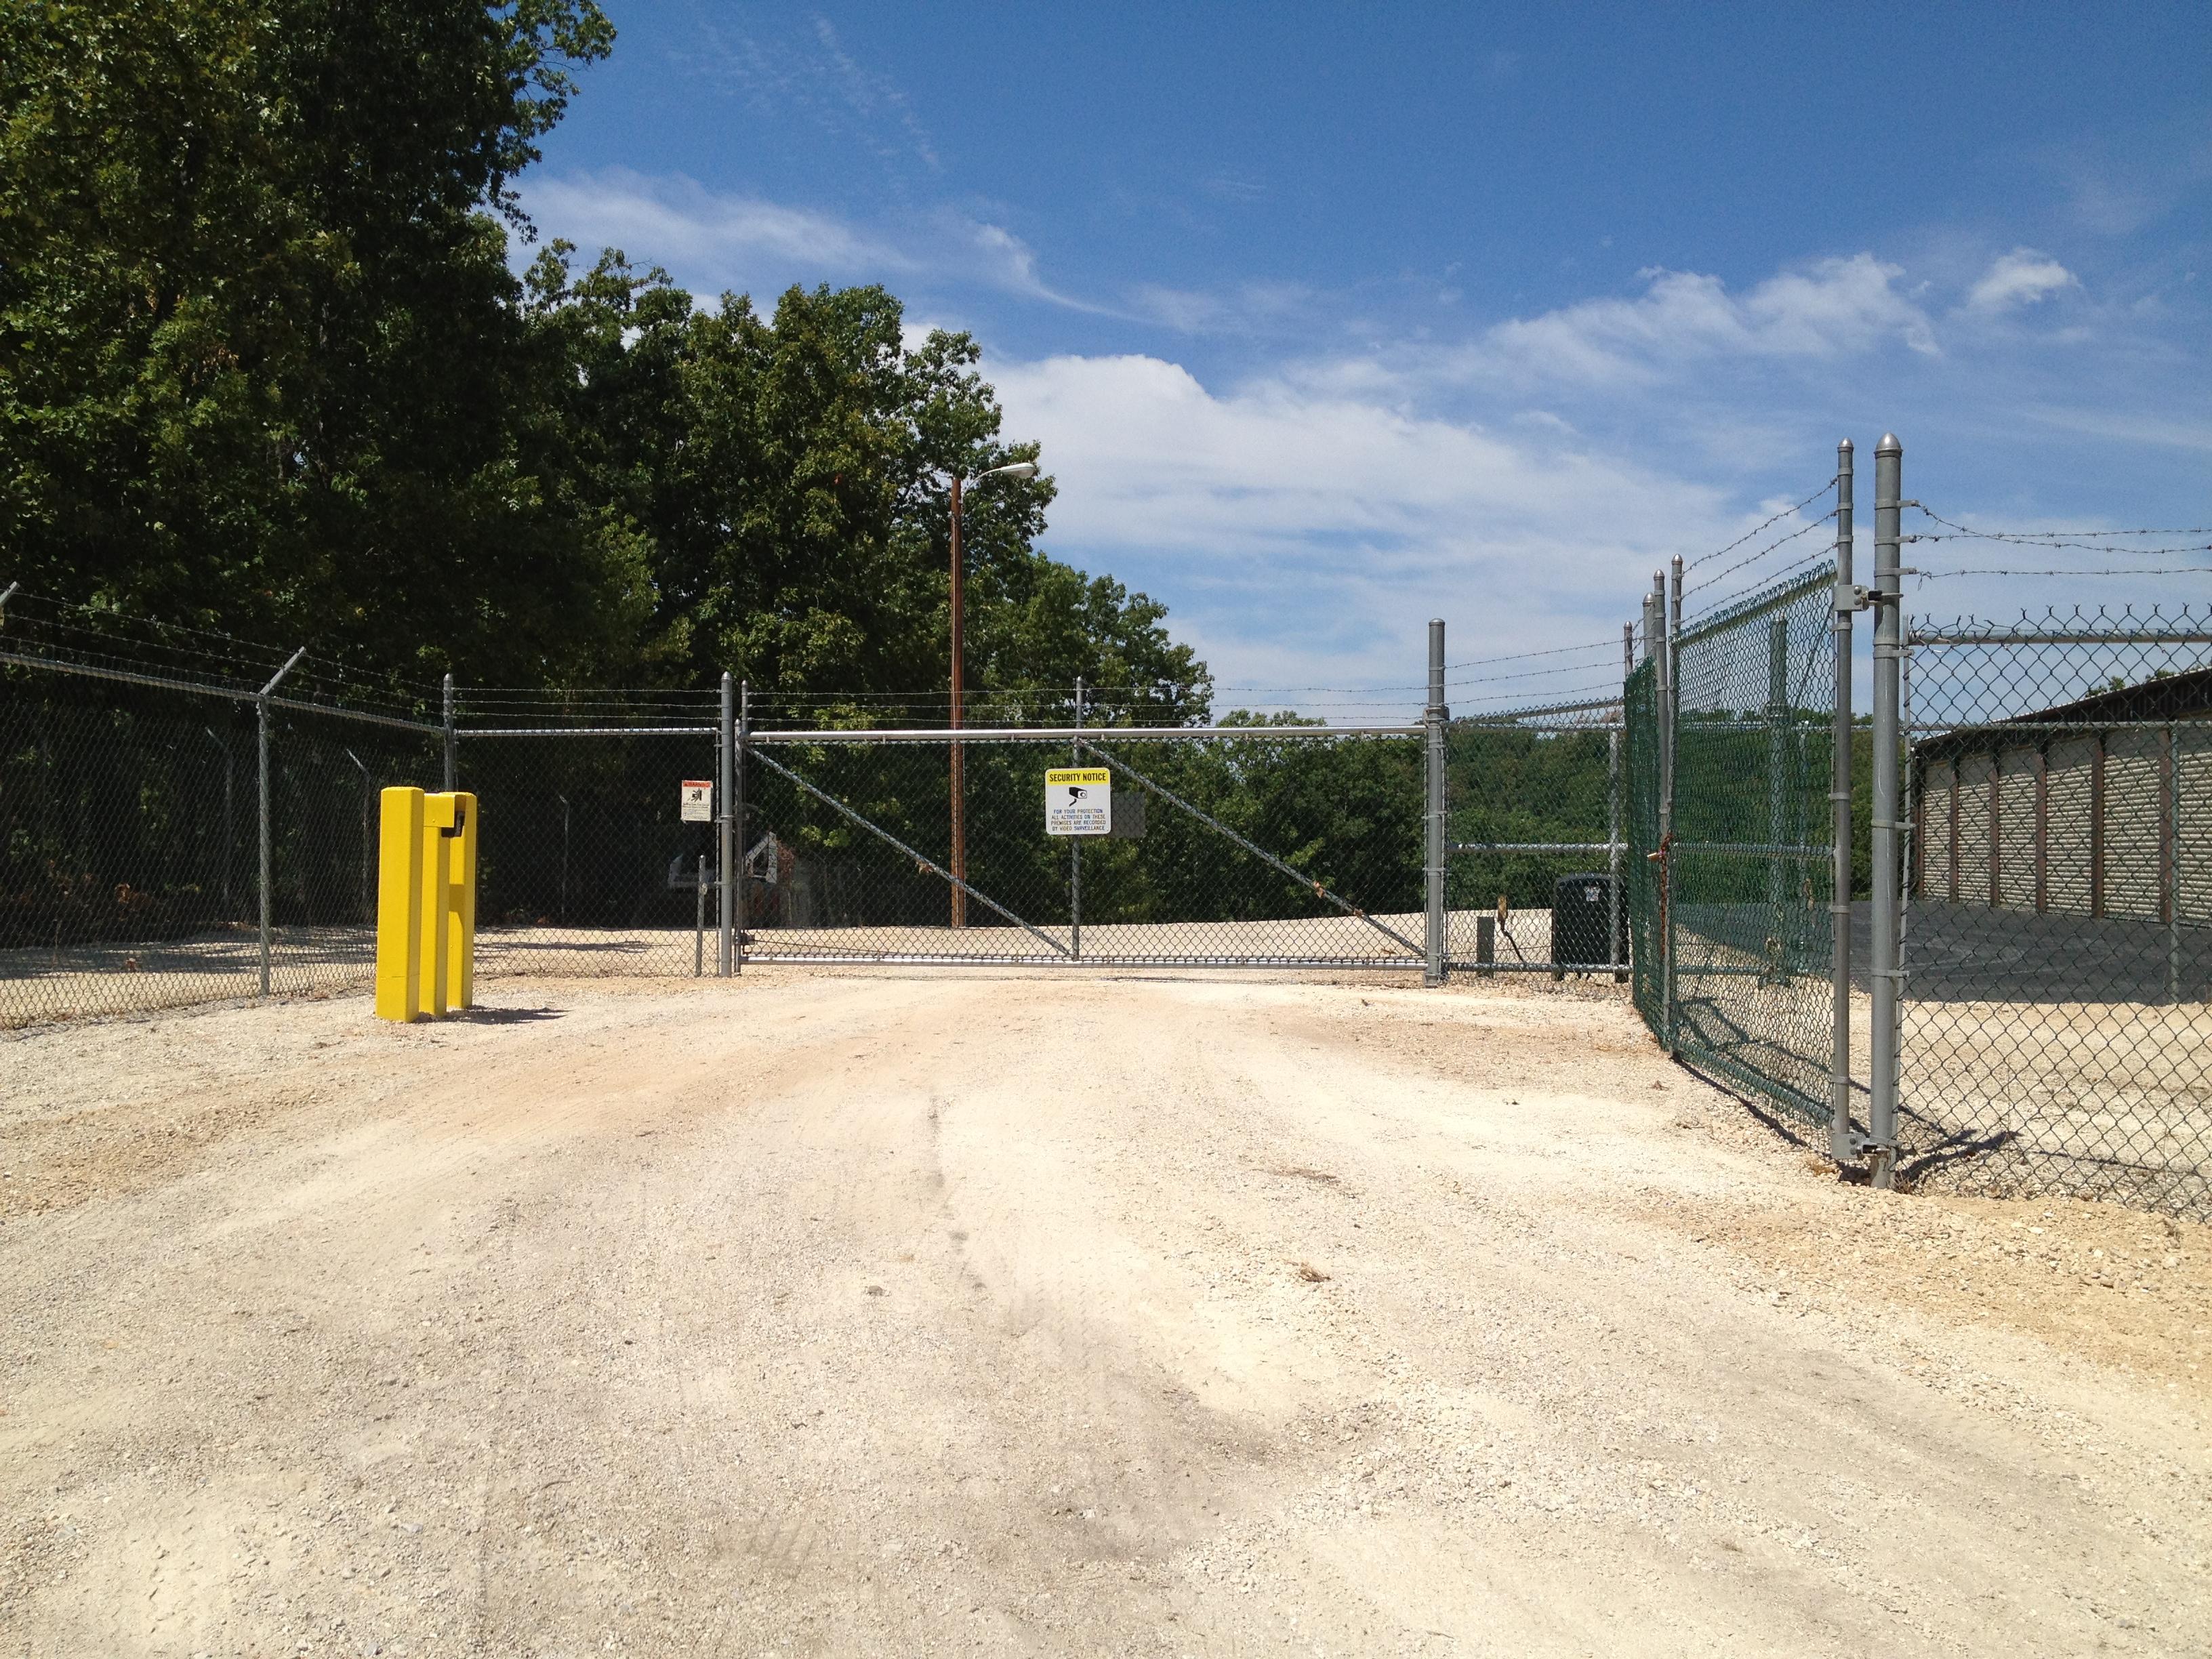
x=748, y=746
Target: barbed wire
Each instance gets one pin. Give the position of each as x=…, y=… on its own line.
x=2084, y=541
x=1744, y=563
x=1760, y=529
x=1524, y=656
x=2008, y=570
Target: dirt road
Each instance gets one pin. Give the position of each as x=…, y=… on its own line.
x=883, y=1313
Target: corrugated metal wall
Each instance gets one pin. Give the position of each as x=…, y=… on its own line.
x=2081, y=826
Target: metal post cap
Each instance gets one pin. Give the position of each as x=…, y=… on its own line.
x=1889, y=445
x=1845, y=444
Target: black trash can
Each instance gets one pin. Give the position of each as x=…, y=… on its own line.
x=1580, y=906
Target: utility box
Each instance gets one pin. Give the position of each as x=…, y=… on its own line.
x=1581, y=907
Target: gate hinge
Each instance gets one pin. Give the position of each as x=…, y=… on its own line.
x=1855, y=597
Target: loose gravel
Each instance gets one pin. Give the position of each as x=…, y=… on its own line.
x=897, y=1312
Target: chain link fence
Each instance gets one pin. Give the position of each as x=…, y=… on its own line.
x=131, y=846
x=1535, y=801
x=2055, y=1036
x=1263, y=847
x=186, y=817
x=1751, y=859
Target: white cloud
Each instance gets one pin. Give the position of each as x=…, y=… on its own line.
x=1832, y=308
x=1294, y=527
x=679, y=223
x=2022, y=277
x=712, y=239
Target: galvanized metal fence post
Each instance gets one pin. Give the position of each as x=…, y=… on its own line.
x=1616, y=814
x=268, y=857
x=1075, y=842
x=1434, y=719
x=699, y=922
x=1840, y=822
x=1778, y=758
x=726, y=743
x=738, y=823
x=1670, y=713
x=453, y=757
x=1888, y=966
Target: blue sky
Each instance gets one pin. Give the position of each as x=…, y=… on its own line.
x=1330, y=319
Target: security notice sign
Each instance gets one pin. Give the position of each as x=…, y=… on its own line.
x=698, y=801
x=1078, y=801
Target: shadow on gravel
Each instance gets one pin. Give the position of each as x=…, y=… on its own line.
x=503, y=1016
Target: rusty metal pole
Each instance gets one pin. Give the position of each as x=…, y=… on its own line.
x=959, y=782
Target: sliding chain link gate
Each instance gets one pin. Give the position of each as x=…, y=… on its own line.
x=1262, y=847
x=1732, y=732
x=1751, y=861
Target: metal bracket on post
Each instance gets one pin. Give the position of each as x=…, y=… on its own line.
x=1434, y=719
x=268, y=860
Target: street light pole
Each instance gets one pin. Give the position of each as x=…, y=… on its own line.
x=959, y=783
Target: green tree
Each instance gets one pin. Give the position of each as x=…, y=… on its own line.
x=256, y=320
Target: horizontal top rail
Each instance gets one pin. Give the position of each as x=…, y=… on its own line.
x=2028, y=727
x=1958, y=640
x=1758, y=605
x=967, y=734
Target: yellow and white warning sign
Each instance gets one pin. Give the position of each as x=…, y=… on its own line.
x=1078, y=801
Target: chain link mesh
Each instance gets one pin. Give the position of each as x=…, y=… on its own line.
x=1276, y=849
x=1751, y=866
x=130, y=845
x=2055, y=1036
x=1531, y=808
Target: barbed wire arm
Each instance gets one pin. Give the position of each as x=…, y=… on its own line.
x=1256, y=851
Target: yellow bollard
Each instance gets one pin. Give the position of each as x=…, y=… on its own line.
x=426, y=905
x=399, y=905
x=461, y=904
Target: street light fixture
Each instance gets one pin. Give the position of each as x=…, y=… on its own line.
x=1019, y=470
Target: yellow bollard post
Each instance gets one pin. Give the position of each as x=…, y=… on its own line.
x=461, y=905
x=399, y=905
x=435, y=901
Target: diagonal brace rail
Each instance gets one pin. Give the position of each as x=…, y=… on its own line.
x=882, y=834
x=1256, y=851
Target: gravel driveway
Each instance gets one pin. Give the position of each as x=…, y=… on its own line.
x=906, y=1313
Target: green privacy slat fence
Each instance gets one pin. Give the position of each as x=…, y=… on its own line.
x=1752, y=862
x=1640, y=715
x=1733, y=906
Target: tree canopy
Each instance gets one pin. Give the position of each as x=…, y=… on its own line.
x=266, y=365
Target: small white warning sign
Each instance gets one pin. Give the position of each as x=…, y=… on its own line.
x=698, y=801
x=1078, y=801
